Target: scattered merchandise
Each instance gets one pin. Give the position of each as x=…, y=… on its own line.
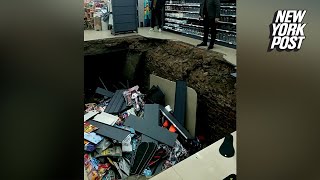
x=90, y=114
x=226, y=149
x=106, y=118
x=130, y=137
x=111, y=175
x=124, y=165
x=126, y=144
x=93, y=175
x=92, y=137
x=128, y=95
x=114, y=151
x=102, y=168
x=121, y=173
x=103, y=145
x=134, y=98
x=147, y=172
x=88, y=128
x=90, y=107
x=89, y=147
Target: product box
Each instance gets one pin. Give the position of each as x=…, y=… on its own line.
x=97, y=23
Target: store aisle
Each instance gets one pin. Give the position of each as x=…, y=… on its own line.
x=229, y=53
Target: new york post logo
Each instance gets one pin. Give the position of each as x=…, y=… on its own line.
x=286, y=31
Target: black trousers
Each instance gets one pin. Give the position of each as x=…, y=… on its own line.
x=209, y=23
x=156, y=14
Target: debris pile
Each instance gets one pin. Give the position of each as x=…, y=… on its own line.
x=128, y=133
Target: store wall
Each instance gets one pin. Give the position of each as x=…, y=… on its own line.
x=141, y=10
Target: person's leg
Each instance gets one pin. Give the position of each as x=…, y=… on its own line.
x=213, y=26
x=206, y=32
x=153, y=18
x=159, y=15
x=206, y=29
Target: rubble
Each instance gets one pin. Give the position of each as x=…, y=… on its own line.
x=136, y=127
x=204, y=71
x=131, y=140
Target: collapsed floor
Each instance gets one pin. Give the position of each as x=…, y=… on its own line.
x=120, y=63
x=204, y=71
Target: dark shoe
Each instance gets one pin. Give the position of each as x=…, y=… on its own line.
x=210, y=47
x=226, y=149
x=202, y=44
x=231, y=177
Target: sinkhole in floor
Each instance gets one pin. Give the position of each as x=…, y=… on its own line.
x=129, y=61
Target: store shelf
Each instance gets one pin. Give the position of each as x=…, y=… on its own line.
x=190, y=5
x=196, y=12
x=168, y=28
x=174, y=23
x=198, y=19
x=233, y=7
x=227, y=22
x=190, y=12
x=198, y=5
x=197, y=26
x=224, y=41
x=183, y=21
x=192, y=25
x=228, y=15
x=182, y=17
x=223, y=30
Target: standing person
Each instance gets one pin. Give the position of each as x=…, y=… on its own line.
x=147, y=13
x=210, y=13
x=156, y=13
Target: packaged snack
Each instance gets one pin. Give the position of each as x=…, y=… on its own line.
x=103, y=145
x=124, y=165
x=95, y=163
x=126, y=144
x=93, y=175
x=92, y=137
x=110, y=176
x=114, y=151
x=89, y=147
x=88, y=128
x=102, y=168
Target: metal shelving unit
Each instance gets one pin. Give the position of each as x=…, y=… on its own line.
x=125, y=16
x=181, y=18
